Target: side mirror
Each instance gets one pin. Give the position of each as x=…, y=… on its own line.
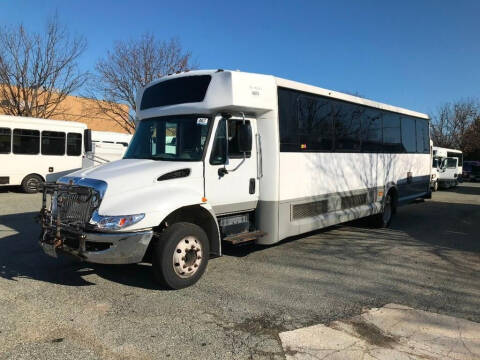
x=87, y=140
x=245, y=137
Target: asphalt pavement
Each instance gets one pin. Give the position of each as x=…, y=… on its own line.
x=62, y=309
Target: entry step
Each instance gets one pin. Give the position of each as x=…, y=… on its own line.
x=244, y=237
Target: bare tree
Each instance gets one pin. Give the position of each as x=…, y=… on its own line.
x=472, y=140
x=452, y=122
x=129, y=66
x=38, y=70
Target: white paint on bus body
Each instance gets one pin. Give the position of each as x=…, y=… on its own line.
x=281, y=179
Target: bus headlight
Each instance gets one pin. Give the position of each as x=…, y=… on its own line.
x=114, y=222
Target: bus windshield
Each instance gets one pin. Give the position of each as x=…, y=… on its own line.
x=170, y=138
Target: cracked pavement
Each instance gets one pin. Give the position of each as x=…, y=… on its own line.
x=61, y=309
x=390, y=332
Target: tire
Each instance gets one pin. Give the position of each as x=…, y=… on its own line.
x=383, y=219
x=176, y=261
x=31, y=183
x=435, y=186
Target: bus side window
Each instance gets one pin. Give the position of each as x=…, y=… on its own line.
x=5, y=140
x=218, y=155
x=53, y=143
x=409, y=140
x=371, y=131
x=26, y=142
x=74, y=144
x=392, y=141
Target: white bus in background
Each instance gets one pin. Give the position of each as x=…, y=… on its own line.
x=107, y=146
x=236, y=157
x=36, y=150
x=33, y=150
x=110, y=137
x=448, y=165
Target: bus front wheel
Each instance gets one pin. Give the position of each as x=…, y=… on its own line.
x=180, y=255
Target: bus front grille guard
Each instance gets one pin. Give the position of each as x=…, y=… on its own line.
x=66, y=211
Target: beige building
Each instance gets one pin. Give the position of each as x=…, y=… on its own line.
x=82, y=109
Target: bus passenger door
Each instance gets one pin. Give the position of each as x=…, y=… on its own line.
x=231, y=183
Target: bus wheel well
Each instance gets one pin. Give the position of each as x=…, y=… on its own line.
x=40, y=176
x=394, y=194
x=194, y=214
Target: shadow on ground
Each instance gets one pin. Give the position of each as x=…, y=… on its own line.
x=12, y=189
x=464, y=189
x=428, y=259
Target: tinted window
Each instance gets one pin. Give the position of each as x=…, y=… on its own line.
x=74, y=144
x=233, y=126
x=392, y=142
x=423, y=140
x=315, y=123
x=26, y=141
x=371, y=130
x=53, y=143
x=287, y=115
x=181, y=90
x=217, y=156
x=409, y=140
x=347, y=118
x=5, y=140
x=457, y=155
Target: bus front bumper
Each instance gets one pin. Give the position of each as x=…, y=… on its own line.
x=101, y=248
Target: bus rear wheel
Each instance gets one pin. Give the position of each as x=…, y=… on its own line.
x=31, y=183
x=180, y=255
x=383, y=219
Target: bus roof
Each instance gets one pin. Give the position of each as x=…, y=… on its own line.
x=446, y=149
x=17, y=121
x=302, y=87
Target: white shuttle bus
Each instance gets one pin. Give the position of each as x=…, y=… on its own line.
x=235, y=157
x=36, y=150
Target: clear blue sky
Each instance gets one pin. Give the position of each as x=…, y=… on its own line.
x=414, y=54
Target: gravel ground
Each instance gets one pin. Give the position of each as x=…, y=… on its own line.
x=63, y=309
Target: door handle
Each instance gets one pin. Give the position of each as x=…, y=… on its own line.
x=251, y=187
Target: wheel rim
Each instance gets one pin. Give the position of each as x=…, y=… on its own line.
x=387, y=210
x=32, y=184
x=187, y=257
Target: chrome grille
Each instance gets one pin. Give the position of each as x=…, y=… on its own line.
x=76, y=207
